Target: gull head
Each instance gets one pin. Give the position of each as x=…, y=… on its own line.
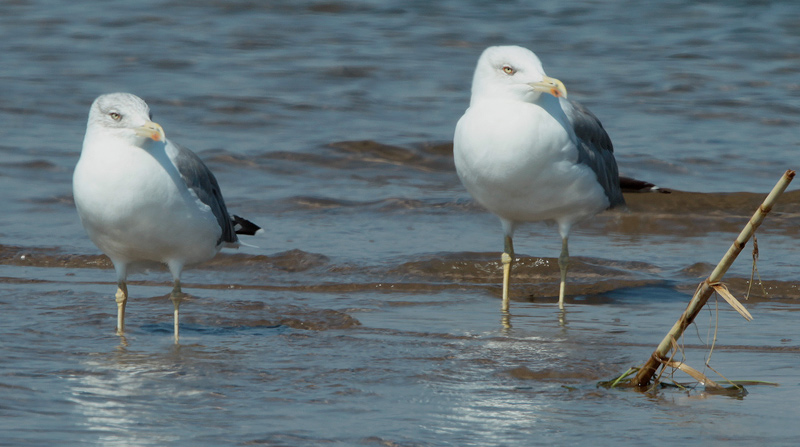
x=512, y=72
x=125, y=116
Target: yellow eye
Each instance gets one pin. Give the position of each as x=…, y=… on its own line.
x=115, y=116
x=508, y=70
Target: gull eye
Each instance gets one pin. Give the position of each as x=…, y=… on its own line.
x=115, y=116
x=507, y=69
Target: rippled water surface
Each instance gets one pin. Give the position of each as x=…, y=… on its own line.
x=368, y=314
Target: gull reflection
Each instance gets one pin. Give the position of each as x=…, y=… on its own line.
x=121, y=395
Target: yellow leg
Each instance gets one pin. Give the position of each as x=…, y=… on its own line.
x=505, y=321
x=508, y=260
x=122, y=299
x=176, y=296
x=563, y=264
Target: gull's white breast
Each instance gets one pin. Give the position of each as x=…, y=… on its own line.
x=135, y=206
x=520, y=162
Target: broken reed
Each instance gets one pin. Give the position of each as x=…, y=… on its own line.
x=710, y=285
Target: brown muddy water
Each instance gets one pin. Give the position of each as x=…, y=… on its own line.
x=368, y=314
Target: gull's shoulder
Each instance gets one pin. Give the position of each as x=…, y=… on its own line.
x=586, y=125
x=202, y=182
x=595, y=148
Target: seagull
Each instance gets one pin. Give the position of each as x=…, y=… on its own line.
x=141, y=197
x=527, y=153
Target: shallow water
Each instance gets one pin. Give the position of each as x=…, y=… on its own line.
x=370, y=313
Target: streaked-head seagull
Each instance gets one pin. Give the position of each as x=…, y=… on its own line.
x=142, y=197
x=527, y=153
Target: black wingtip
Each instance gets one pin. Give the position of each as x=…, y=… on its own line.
x=628, y=184
x=244, y=226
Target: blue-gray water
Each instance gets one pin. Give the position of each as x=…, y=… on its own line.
x=370, y=313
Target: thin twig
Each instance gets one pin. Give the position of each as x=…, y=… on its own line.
x=716, y=328
x=754, y=271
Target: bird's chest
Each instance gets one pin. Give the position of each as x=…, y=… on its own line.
x=128, y=183
x=134, y=207
x=510, y=147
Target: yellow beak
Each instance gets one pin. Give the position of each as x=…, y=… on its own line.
x=151, y=130
x=550, y=85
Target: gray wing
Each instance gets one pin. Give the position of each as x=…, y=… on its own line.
x=595, y=149
x=201, y=180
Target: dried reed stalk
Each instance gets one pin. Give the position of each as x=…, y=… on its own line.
x=710, y=285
